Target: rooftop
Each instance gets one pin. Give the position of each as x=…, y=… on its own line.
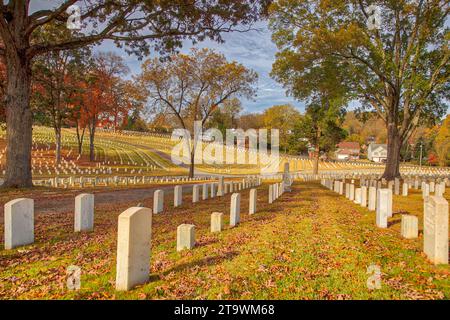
x=349, y=145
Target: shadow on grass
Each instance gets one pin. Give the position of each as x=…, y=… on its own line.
x=207, y=261
x=393, y=222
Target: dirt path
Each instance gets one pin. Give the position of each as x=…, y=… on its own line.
x=54, y=204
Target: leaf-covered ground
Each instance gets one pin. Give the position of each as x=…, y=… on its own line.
x=309, y=244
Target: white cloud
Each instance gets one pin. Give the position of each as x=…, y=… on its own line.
x=254, y=49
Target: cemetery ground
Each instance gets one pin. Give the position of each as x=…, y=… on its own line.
x=311, y=243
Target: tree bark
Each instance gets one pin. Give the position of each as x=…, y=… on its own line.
x=58, y=144
x=80, y=138
x=316, y=160
x=392, y=169
x=316, y=150
x=19, y=120
x=192, y=164
x=91, y=143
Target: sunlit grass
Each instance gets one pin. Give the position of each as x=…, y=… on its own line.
x=309, y=244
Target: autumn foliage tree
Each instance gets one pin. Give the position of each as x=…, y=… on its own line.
x=126, y=97
x=398, y=68
x=56, y=75
x=225, y=117
x=282, y=118
x=322, y=127
x=102, y=96
x=78, y=118
x=191, y=87
x=141, y=24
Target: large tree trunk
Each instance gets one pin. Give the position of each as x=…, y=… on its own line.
x=58, y=144
x=392, y=169
x=18, y=121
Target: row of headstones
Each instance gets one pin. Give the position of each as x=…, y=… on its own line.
x=276, y=190
x=427, y=184
x=334, y=164
x=134, y=235
x=19, y=219
x=435, y=222
x=438, y=189
x=48, y=167
x=101, y=167
x=112, y=181
x=51, y=171
x=69, y=141
x=293, y=175
x=134, y=230
x=410, y=178
x=88, y=171
x=135, y=133
x=213, y=189
x=19, y=213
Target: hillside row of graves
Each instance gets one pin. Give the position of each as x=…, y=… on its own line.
x=377, y=195
x=131, y=154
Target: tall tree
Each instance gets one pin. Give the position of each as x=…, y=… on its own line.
x=226, y=116
x=128, y=97
x=191, y=87
x=162, y=23
x=251, y=121
x=321, y=126
x=397, y=66
x=102, y=97
x=55, y=77
x=135, y=122
x=79, y=118
x=283, y=118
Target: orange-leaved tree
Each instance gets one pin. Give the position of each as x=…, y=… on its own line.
x=140, y=23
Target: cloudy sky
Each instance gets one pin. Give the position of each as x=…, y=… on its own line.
x=254, y=49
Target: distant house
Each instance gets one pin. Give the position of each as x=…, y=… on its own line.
x=348, y=151
x=377, y=152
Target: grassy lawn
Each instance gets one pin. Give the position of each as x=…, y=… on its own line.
x=309, y=244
